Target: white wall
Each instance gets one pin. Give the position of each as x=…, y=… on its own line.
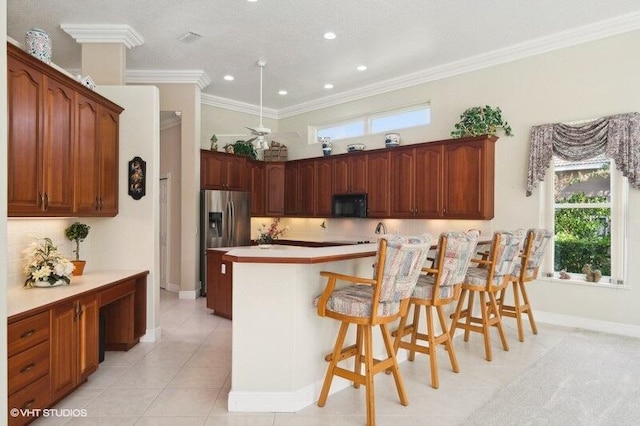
x=170, y=168
x=582, y=82
x=220, y=121
x=130, y=240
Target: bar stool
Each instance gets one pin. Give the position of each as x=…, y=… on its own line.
x=371, y=302
x=439, y=288
x=487, y=280
x=535, y=242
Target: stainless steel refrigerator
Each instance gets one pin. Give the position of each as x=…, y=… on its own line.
x=225, y=221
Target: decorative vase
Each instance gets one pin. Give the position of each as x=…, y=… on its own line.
x=79, y=266
x=265, y=246
x=326, y=151
x=39, y=44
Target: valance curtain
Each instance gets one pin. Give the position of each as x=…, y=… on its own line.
x=617, y=136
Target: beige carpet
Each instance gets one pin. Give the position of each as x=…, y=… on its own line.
x=588, y=379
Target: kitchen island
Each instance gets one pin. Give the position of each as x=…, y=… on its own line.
x=279, y=341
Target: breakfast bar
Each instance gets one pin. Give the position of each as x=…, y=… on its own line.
x=279, y=341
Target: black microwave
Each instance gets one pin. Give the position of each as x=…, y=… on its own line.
x=349, y=205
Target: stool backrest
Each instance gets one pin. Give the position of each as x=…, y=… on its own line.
x=399, y=270
x=455, y=250
x=504, y=254
x=534, y=247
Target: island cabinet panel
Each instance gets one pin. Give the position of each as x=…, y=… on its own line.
x=224, y=171
x=324, y=187
x=219, y=284
x=258, y=193
x=469, y=179
x=274, y=183
x=47, y=170
x=350, y=174
x=378, y=184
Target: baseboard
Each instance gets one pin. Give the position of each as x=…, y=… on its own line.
x=587, y=324
x=188, y=294
x=152, y=335
x=281, y=402
x=174, y=288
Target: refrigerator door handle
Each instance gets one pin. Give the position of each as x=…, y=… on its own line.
x=233, y=222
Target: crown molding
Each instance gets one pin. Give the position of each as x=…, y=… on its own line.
x=198, y=77
x=564, y=39
x=101, y=33
x=230, y=104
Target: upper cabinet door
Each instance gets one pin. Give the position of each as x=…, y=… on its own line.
x=403, y=183
x=469, y=179
x=378, y=200
x=24, y=153
x=87, y=155
x=428, y=181
x=274, y=183
x=108, y=162
x=324, y=184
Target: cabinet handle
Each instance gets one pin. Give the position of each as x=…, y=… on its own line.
x=45, y=201
x=41, y=200
x=28, y=367
x=28, y=404
x=28, y=333
x=97, y=203
x=101, y=203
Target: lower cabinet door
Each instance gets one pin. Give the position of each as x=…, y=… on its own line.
x=35, y=396
x=63, y=349
x=88, y=330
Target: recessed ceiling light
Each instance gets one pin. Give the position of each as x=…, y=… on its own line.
x=329, y=35
x=252, y=1
x=282, y=92
x=189, y=37
x=361, y=68
x=328, y=86
x=228, y=77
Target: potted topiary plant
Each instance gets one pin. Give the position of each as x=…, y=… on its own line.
x=77, y=232
x=479, y=121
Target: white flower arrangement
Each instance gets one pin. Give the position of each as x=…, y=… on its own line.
x=46, y=263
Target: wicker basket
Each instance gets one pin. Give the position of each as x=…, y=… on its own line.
x=276, y=154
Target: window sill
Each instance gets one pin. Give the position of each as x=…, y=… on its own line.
x=586, y=283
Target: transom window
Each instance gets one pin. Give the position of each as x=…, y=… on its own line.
x=374, y=123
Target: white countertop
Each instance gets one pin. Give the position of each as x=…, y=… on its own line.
x=278, y=251
x=23, y=299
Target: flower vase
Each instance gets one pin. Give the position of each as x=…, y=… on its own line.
x=265, y=246
x=45, y=284
x=39, y=44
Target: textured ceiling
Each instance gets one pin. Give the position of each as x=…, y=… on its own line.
x=393, y=38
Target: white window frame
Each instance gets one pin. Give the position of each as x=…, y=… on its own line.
x=367, y=119
x=619, y=223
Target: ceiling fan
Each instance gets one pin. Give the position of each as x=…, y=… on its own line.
x=261, y=134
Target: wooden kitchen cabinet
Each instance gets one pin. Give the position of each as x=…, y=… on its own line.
x=74, y=344
x=468, y=173
x=324, y=187
x=378, y=197
x=97, y=180
x=274, y=183
x=219, y=284
x=291, y=185
x=40, y=153
x=28, y=365
x=50, y=130
x=220, y=170
x=258, y=194
x=416, y=182
x=307, y=188
x=350, y=174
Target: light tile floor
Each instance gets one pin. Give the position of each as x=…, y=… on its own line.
x=184, y=379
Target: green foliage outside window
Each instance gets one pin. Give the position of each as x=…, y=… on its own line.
x=583, y=235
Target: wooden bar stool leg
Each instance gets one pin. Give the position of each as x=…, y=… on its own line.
x=395, y=369
x=368, y=367
x=414, y=331
x=433, y=359
x=447, y=343
x=517, y=307
x=456, y=314
x=497, y=320
x=484, y=310
x=525, y=297
x=467, y=330
x=357, y=362
x=328, y=378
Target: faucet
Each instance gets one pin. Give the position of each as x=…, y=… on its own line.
x=381, y=226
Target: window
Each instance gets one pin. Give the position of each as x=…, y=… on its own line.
x=374, y=123
x=588, y=218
